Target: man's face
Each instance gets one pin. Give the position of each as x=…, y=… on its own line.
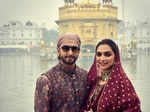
x=68, y=52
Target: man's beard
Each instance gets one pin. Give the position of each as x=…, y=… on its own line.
x=63, y=59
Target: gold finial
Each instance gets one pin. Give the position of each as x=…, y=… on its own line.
x=107, y=2
x=69, y=2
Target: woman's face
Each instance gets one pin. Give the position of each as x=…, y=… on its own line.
x=104, y=57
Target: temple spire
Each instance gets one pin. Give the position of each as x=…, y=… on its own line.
x=69, y=2
x=107, y=2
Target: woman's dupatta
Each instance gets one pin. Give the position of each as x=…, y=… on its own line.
x=118, y=95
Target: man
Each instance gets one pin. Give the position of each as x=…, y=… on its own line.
x=64, y=87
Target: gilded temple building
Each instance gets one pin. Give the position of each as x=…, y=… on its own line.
x=91, y=20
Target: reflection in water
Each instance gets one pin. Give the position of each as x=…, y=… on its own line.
x=142, y=83
x=18, y=74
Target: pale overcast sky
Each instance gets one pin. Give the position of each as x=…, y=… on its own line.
x=46, y=11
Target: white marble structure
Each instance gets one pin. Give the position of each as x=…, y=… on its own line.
x=16, y=33
x=143, y=38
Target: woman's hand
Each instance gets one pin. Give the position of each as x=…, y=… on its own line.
x=102, y=82
x=88, y=111
x=98, y=70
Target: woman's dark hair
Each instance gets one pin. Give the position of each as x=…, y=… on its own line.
x=109, y=42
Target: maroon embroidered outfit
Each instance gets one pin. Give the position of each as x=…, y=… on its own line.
x=117, y=95
x=61, y=90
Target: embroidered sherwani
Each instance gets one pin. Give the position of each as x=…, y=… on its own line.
x=61, y=90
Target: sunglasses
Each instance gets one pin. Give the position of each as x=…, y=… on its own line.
x=67, y=48
x=107, y=54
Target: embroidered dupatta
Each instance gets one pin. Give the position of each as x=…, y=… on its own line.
x=118, y=94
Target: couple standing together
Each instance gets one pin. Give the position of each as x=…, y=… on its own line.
x=68, y=88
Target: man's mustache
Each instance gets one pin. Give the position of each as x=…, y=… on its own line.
x=70, y=57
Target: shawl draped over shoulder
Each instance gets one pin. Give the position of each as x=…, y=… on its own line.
x=118, y=94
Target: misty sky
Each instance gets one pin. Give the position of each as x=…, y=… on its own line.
x=46, y=11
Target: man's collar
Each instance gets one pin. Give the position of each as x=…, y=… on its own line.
x=67, y=70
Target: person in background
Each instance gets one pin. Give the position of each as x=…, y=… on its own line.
x=64, y=87
x=111, y=90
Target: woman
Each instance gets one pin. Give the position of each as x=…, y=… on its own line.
x=111, y=90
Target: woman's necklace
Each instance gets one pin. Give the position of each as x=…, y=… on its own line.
x=104, y=78
x=99, y=86
x=105, y=75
